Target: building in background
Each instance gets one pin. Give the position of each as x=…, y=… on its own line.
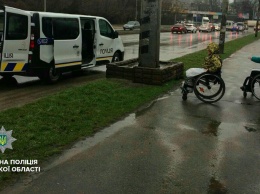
x=192, y=11
x=242, y=10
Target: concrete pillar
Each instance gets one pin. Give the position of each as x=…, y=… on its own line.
x=257, y=21
x=222, y=34
x=149, y=39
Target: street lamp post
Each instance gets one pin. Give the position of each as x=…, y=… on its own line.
x=44, y=5
x=198, y=6
x=136, y=10
x=197, y=14
x=223, y=26
x=257, y=21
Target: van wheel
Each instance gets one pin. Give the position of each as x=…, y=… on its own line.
x=116, y=57
x=51, y=75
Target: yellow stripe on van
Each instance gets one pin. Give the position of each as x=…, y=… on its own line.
x=67, y=64
x=3, y=66
x=13, y=66
x=19, y=66
x=104, y=58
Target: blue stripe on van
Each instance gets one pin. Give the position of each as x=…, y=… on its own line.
x=10, y=67
x=25, y=67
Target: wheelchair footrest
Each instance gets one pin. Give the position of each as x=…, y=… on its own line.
x=245, y=89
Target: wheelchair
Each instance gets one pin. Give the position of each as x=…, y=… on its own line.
x=208, y=87
x=252, y=84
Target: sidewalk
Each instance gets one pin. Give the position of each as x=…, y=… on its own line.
x=171, y=147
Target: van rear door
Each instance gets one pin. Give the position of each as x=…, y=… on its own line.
x=15, y=27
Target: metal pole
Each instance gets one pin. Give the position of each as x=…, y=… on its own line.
x=45, y=5
x=197, y=14
x=223, y=26
x=257, y=21
x=135, y=10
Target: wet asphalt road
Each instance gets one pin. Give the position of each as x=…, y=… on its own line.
x=169, y=146
x=177, y=45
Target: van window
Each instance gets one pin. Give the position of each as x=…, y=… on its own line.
x=65, y=28
x=91, y=23
x=47, y=27
x=105, y=29
x=17, y=27
x=205, y=20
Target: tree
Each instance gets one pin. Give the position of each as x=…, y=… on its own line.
x=173, y=7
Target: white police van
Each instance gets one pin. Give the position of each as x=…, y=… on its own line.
x=47, y=44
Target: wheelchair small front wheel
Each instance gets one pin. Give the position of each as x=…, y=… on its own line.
x=209, y=88
x=255, y=86
x=184, y=96
x=244, y=94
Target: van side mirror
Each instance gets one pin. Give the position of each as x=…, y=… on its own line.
x=115, y=34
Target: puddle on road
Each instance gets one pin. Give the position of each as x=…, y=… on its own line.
x=212, y=128
x=215, y=187
x=228, y=130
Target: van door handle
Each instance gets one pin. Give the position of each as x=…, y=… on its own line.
x=76, y=46
x=101, y=44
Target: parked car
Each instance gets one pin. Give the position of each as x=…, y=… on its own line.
x=131, y=25
x=217, y=26
x=179, y=28
x=191, y=28
x=257, y=28
x=212, y=27
x=246, y=26
x=241, y=26
x=229, y=25
x=205, y=28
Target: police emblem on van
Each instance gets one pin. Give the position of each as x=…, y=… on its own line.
x=45, y=41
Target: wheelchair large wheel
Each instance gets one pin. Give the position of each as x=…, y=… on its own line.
x=209, y=88
x=255, y=86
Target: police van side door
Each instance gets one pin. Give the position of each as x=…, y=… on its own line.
x=67, y=42
x=105, y=42
x=15, y=40
x=88, y=29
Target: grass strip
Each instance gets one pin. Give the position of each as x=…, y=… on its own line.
x=52, y=124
